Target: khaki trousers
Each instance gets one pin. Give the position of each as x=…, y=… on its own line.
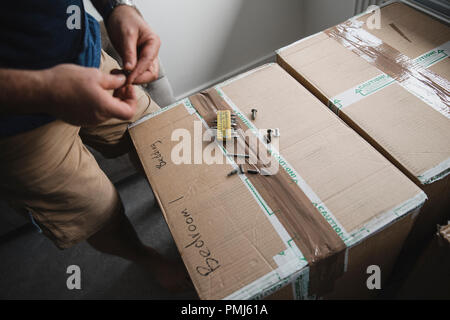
x=51, y=174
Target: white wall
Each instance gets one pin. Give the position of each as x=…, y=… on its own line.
x=322, y=14
x=207, y=41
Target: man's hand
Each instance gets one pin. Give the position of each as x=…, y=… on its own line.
x=78, y=95
x=137, y=44
x=82, y=96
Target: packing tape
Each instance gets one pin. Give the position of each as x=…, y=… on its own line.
x=296, y=177
x=298, y=42
x=412, y=75
x=434, y=174
x=289, y=261
x=426, y=85
x=374, y=85
x=300, y=286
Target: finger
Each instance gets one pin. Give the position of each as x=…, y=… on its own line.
x=148, y=54
x=120, y=109
x=129, y=55
x=112, y=81
x=126, y=94
x=146, y=77
x=115, y=107
x=149, y=75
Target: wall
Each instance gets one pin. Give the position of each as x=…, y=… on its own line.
x=207, y=41
x=322, y=14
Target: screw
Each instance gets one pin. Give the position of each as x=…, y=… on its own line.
x=254, y=111
x=253, y=171
x=276, y=132
x=246, y=156
x=269, y=135
x=232, y=173
x=241, y=169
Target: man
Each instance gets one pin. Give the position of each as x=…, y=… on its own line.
x=58, y=90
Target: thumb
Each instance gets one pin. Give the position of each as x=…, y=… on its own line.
x=112, y=81
x=119, y=109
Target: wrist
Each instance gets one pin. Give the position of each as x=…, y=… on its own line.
x=109, y=6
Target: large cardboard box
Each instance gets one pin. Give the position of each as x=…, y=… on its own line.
x=335, y=206
x=390, y=84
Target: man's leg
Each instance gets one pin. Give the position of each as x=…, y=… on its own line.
x=51, y=174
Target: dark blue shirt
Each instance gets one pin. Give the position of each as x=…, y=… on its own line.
x=34, y=35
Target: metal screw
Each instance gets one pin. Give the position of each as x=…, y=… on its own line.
x=253, y=171
x=246, y=156
x=276, y=132
x=232, y=173
x=269, y=135
x=254, y=111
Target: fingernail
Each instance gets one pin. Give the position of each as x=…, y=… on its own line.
x=128, y=65
x=122, y=77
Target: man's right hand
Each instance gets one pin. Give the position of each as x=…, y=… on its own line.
x=83, y=96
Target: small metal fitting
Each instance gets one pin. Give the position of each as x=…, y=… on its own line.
x=254, y=112
x=269, y=135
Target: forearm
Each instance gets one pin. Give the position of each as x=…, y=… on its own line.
x=23, y=91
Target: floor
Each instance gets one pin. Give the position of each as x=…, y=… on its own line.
x=32, y=267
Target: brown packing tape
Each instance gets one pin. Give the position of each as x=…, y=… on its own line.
x=318, y=242
x=392, y=62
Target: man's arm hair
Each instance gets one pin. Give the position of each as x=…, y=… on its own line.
x=23, y=91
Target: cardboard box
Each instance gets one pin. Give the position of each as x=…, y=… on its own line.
x=334, y=205
x=391, y=86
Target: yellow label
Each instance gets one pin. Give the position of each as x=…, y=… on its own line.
x=223, y=125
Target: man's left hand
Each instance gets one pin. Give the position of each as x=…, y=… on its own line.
x=136, y=43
